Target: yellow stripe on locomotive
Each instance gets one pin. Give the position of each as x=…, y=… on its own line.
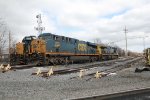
x=98, y=50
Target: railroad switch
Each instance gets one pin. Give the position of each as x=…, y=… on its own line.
x=50, y=72
x=38, y=71
x=98, y=75
x=81, y=73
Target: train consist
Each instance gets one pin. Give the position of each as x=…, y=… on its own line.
x=54, y=49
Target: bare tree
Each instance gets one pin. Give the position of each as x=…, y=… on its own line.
x=12, y=44
x=7, y=42
x=3, y=36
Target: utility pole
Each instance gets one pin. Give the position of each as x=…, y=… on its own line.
x=144, y=41
x=125, y=31
x=9, y=45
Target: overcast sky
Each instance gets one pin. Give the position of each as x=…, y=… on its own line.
x=81, y=19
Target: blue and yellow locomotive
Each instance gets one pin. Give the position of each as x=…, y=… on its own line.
x=54, y=49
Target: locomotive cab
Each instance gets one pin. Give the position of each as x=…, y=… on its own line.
x=27, y=43
x=22, y=51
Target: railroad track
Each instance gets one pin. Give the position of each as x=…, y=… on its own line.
x=138, y=94
x=20, y=67
x=86, y=65
x=89, y=66
x=116, y=67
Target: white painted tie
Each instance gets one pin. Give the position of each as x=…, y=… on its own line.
x=8, y=67
x=81, y=73
x=1, y=67
x=50, y=72
x=38, y=71
x=98, y=75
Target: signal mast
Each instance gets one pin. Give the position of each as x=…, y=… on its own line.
x=39, y=28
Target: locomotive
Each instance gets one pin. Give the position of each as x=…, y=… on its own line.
x=147, y=56
x=49, y=48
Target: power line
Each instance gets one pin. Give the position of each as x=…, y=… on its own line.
x=133, y=37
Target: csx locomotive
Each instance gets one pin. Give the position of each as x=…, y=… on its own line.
x=147, y=56
x=54, y=49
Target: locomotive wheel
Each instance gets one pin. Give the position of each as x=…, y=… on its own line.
x=62, y=61
x=58, y=61
x=95, y=59
x=55, y=61
x=51, y=61
x=47, y=61
x=92, y=59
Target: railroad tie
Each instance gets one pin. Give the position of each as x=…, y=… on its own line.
x=50, y=72
x=97, y=75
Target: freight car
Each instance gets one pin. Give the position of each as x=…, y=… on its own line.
x=54, y=49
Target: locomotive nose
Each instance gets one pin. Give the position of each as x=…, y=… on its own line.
x=38, y=45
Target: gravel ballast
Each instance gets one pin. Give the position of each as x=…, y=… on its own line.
x=21, y=85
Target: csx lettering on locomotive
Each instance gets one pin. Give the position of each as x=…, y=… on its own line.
x=82, y=47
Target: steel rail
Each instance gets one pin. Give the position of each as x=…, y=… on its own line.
x=136, y=94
